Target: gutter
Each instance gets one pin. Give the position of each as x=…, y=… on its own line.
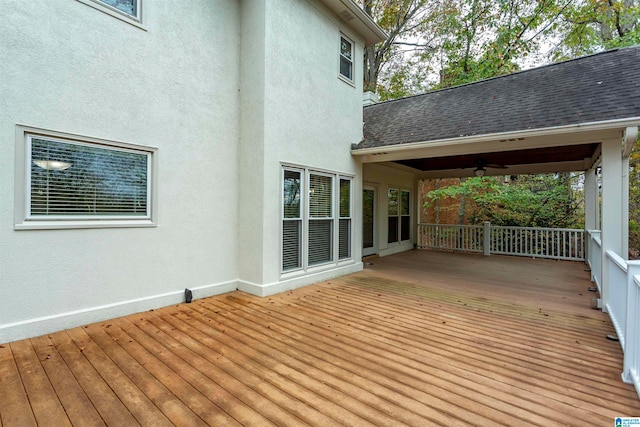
x=628, y=123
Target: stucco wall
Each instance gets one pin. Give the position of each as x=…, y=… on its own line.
x=311, y=118
x=69, y=67
x=382, y=178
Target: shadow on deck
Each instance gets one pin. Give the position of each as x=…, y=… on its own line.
x=419, y=338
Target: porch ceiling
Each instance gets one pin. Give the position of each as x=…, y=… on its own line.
x=517, y=157
x=558, y=158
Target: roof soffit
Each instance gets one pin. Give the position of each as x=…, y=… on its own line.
x=357, y=19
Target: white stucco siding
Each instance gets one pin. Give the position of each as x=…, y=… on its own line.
x=312, y=116
x=71, y=68
x=382, y=178
x=251, y=144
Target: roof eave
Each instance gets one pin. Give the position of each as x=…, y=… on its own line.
x=357, y=19
x=528, y=133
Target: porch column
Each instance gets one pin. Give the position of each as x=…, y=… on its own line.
x=591, y=200
x=612, y=216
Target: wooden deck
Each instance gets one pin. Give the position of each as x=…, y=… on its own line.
x=420, y=338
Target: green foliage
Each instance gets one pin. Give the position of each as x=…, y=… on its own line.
x=442, y=43
x=547, y=200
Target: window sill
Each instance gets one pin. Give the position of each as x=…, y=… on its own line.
x=346, y=80
x=60, y=225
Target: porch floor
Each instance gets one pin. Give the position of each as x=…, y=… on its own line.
x=420, y=338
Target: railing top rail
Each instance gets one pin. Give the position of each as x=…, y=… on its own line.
x=503, y=227
x=449, y=225
x=510, y=227
x=617, y=260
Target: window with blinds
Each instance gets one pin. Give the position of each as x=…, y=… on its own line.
x=292, y=220
x=320, y=219
x=316, y=218
x=71, y=180
x=344, y=223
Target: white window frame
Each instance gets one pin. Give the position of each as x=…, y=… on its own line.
x=306, y=173
x=399, y=215
x=340, y=217
x=344, y=78
x=300, y=219
x=24, y=220
x=117, y=13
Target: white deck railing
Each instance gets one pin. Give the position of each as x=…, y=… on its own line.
x=555, y=243
x=594, y=257
x=631, y=372
x=621, y=300
x=467, y=238
x=617, y=302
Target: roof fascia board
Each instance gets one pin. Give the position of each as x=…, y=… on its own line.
x=529, y=133
x=363, y=24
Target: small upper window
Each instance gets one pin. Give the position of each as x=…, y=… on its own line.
x=73, y=183
x=126, y=10
x=130, y=7
x=346, y=58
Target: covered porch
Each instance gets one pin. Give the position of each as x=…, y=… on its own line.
x=418, y=338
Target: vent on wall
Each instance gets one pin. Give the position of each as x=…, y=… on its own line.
x=346, y=15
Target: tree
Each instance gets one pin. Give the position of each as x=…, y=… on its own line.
x=443, y=43
x=592, y=25
x=547, y=200
x=402, y=20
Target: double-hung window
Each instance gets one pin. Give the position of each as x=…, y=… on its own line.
x=346, y=58
x=344, y=227
x=399, y=215
x=316, y=218
x=292, y=220
x=320, y=219
x=70, y=183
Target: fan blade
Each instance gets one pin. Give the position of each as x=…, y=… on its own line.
x=495, y=166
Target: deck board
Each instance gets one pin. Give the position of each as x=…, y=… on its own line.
x=419, y=338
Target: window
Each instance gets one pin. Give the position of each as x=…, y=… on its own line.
x=130, y=7
x=73, y=183
x=344, y=227
x=126, y=10
x=399, y=226
x=346, y=58
x=292, y=220
x=316, y=218
x=320, y=219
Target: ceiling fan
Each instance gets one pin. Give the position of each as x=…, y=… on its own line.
x=482, y=164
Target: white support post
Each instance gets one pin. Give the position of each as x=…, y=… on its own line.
x=612, y=226
x=625, y=208
x=486, y=242
x=590, y=199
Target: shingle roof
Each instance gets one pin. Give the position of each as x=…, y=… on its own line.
x=593, y=88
